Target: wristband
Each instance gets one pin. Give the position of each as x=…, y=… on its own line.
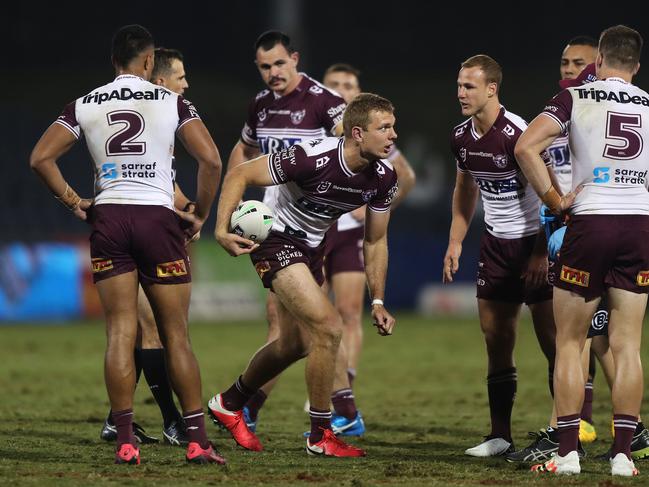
x=69, y=198
x=377, y=302
x=552, y=200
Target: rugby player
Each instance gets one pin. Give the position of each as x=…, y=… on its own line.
x=293, y=108
x=604, y=251
x=344, y=270
x=130, y=126
x=318, y=181
x=513, y=259
x=168, y=72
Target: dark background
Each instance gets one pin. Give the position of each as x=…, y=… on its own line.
x=408, y=51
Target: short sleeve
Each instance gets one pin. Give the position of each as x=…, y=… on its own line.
x=249, y=131
x=289, y=164
x=459, y=157
x=385, y=195
x=68, y=119
x=186, y=112
x=559, y=109
x=333, y=108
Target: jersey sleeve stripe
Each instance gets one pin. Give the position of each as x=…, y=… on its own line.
x=556, y=119
x=378, y=210
x=75, y=132
x=185, y=121
x=271, y=170
x=248, y=140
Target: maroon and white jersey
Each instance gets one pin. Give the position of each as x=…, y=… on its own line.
x=317, y=187
x=511, y=206
x=608, y=125
x=130, y=127
x=559, y=153
x=310, y=111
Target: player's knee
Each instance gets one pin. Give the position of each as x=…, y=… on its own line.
x=327, y=330
x=350, y=314
x=295, y=349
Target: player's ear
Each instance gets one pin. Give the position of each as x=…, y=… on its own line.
x=295, y=56
x=149, y=61
x=636, y=69
x=357, y=134
x=492, y=89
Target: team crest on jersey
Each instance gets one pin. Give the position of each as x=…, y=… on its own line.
x=316, y=90
x=297, y=117
x=323, y=187
x=262, y=268
x=509, y=130
x=500, y=161
x=463, y=154
x=368, y=194
x=262, y=115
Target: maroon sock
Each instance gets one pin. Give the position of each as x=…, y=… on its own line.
x=195, y=422
x=568, y=433
x=320, y=421
x=236, y=396
x=255, y=403
x=343, y=403
x=587, y=408
x=625, y=426
x=501, y=387
x=123, y=421
x=351, y=375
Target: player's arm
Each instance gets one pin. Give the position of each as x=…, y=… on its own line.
x=375, y=252
x=241, y=153
x=199, y=144
x=237, y=179
x=537, y=137
x=56, y=141
x=465, y=197
x=181, y=201
x=406, y=175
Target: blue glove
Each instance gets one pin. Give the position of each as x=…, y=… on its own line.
x=554, y=243
x=549, y=221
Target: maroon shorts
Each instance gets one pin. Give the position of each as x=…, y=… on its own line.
x=344, y=251
x=602, y=251
x=502, y=262
x=148, y=238
x=280, y=250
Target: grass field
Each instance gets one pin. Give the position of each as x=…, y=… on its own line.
x=421, y=391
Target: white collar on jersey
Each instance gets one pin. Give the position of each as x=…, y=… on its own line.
x=341, y=157
x=122, y=76
x=297, y=88
x=619, y=80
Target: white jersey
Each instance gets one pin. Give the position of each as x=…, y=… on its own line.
x=559, y=152
x=608, y=124
x=130, y=127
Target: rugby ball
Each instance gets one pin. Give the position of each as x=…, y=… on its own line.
x=252, y=220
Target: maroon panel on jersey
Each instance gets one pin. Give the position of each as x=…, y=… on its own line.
x=602, y=251
x=186, y=111
x=502, y=262
x=344, y=251
x=68, y=119
x=560, y=109
x=148, y=238
x=280, y=250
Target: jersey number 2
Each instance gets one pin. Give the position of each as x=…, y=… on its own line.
x=121, y=142
x=620, y=127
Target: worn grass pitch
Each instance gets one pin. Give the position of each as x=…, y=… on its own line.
x=421, y=391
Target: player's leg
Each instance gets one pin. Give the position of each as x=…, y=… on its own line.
x=498, y=321
x=545, y=330
x=625, y=329
x=155, y=372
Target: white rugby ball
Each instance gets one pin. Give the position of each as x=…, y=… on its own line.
x=252, y=220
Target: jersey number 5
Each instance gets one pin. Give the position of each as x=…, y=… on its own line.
x=620, y=128
x=121, y=142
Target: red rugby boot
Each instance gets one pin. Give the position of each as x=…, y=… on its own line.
x=234, y=422
x=330, y=445
x=196, y=454
x=127, y=454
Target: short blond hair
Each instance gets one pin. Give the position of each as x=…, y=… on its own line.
x=492, y=70
x=357, y=113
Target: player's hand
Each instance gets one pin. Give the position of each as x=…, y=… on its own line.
x=451, y=261
x=383, y=320
x=193, y=224
x=568, y=199
x=234, y=244
x=81, y=211
x=536, y=274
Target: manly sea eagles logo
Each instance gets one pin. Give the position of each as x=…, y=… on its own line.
x=323, y=187
x=297, y=117
x=368, y=194
x=262, y=115
x=463, y=154
x=500, y=161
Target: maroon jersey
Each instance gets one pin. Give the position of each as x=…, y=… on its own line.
x=310, y=111
x=317, y=187
x=510, y=205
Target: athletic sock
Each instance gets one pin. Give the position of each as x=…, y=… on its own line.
x=344, y=404
x=195, y=421
x=155, y=373
x=587, y=408
x=123, y=421
x=255, y=403
x=625, y=427
x=237, y=395
x=568, y=433
x=320, y=421
x=501, y=387
x=351, y=376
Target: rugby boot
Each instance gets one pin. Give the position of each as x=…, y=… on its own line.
x=196, y=454
x=341, y=426
x=491, y=447
x=252, y=425
x=622, y=466
x=332, y=446
x=175, y=433
x=639, y=447
x=109, y=433
x=127, y=454
x=567, y=465
x=233, y=421
x=541, y=449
